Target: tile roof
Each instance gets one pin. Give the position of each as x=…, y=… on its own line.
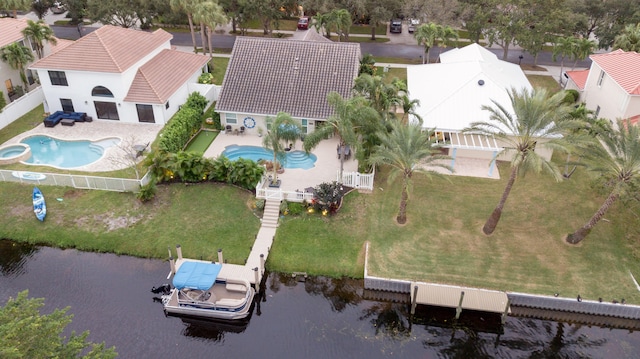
x=108, y=49
x=579, y=77
x=60, y=44
x=266, y=76
x=623, y=67
x=159, y=78
x=11, y=30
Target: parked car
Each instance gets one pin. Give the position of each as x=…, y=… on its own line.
x=413, y=25
x=58, y=8
x=395, y=26
x=303, y=23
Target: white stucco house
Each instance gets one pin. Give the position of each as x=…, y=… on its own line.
x=452, y=93
x=120, y=74
x=611, y=87
x=267, y=76
x=11, y=32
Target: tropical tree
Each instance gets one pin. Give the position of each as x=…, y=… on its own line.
x=378, y=16
x=429, y=34
x=15, y=5
x=26, y=333
x=188, y=7
x=367, y=65
x=209, y=14
x=409, y=108
x=408, y=150
x=629, y=39
x=281, y=131
x=39, y=33
x=349, y=116
x=535, y=116
x=563, y=47
x=17, y=56
x=341, y=21
x=583, y=48
x=615, y=156
x=382, y=95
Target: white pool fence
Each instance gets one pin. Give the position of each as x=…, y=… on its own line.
x=75, y=181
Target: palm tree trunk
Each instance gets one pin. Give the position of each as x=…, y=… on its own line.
x=203, y=38
x=209, y=35
x=193, y=33
x=581, y=233
x=402, y=211
x=493, y=220
x=373, y=33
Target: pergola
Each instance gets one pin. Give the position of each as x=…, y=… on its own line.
x=468, y=141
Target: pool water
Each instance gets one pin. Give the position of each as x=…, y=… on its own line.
x=295, y=159
x=50, y=151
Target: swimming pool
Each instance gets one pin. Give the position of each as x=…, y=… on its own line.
x=53, y=152
x=295, y=159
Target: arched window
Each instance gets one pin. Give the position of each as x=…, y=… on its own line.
x=101, y=91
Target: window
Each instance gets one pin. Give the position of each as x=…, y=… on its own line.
x=58, y=78
x=304, y=123
x=595, y=114
x=600, y=78
x=106, y=110
x=269, y=121
x=30, y=77
x=67, y=105
x=145, y=113
x=101, y=91
x=231, y=118
x=166, y=105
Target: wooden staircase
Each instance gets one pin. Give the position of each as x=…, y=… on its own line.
x=271, y=213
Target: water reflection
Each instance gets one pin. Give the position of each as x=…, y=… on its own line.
x=295, y=317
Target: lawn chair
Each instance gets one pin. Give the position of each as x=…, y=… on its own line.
x=347, y=152
x=242, y=130
x=228, y=129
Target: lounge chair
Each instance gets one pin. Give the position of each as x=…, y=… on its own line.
x=228, y=129
x=347, y=152
x=242, y=130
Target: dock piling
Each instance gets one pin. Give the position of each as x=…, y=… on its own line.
x=414, y=300
x=459, y=307
x=506, y=311
x=261, y=264
x=172, y=263
x=220, y=258
x=169, y=249
x=255, y=273
x=179, y=250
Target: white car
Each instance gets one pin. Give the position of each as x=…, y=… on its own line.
x=413, y=24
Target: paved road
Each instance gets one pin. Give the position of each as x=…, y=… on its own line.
x=407, y=51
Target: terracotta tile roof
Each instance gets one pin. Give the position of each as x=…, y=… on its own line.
x=266, y=76
x=159, y=78
x=108, y=49
x=579, y=77
x=11, y=30
x=60, y=44
x=634, y=120
x=623, y=67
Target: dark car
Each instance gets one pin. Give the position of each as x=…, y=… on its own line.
x=395, y=26
x=303, y=23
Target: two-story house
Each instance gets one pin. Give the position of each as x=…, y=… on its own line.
x=11, y=32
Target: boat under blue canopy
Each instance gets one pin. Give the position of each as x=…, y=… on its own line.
x=196, y=275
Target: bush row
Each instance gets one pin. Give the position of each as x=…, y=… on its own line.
x=184, y=124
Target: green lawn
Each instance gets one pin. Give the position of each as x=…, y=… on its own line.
x=544, y=81
x=201, y=142
x=220, y=65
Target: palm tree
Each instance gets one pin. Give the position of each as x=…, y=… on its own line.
x=383, y=96
x=283, y=130
x=188, y=7
x=628, y=39
x=15, y=5
x=350, y=115
x=616, y=157
x=583, y=48
x=407, y=149
x=409, y=109
x=17, y=56
x=342, y=22
x=535, y=116
x=563, y=47
x=39, y=33
x=427, y=36
x=209, y=14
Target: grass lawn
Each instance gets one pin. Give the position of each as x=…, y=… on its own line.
x=378, y=40
x=202, y=218
x=25, y=123
x=443, y=241
x=201, y=142
x=396, y=60
x=366, y=29
x=393, y=72
x=544, y=81
x=220, y=65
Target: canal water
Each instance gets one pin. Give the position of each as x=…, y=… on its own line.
x=110, y=296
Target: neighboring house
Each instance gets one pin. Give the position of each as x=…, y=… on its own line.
x=452, y=93
x=11, y=32
x=267, y=76
x=120, y=74
x=611, y=87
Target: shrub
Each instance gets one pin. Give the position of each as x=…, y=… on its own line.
x=3, y=101
x=571, y=96
x=245, y=173
x=327, y=196
x=284, y=207
x=205, y=78
x=260, y=204
x=184, y=124
x=147, y=192
x=296, y=208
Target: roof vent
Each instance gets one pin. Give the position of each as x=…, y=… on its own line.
x=480, y=82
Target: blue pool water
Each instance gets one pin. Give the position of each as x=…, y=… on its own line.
x=295, y=159
x=66, y=154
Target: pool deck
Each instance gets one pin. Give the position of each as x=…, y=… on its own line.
x=325, y=169
x=129, y=133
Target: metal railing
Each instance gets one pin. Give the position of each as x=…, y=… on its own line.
x=75, y=181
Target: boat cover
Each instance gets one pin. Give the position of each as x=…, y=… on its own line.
x=196, y=275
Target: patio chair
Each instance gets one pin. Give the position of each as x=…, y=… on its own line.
x=228, y=129
x=242, y=130
x=347, y=152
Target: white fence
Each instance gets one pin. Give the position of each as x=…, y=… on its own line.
x=362, y=181
x=263, y=191
x=76, y=181
x=21, y=106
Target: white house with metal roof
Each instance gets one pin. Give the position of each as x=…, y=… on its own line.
x=452, y=93
x=267, y=76
x=120, y=74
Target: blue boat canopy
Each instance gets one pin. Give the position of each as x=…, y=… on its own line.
x=196, y=275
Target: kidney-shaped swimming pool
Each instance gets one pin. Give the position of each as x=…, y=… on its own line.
x=53, y=152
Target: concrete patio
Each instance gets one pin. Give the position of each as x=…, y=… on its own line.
x=325, y=170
